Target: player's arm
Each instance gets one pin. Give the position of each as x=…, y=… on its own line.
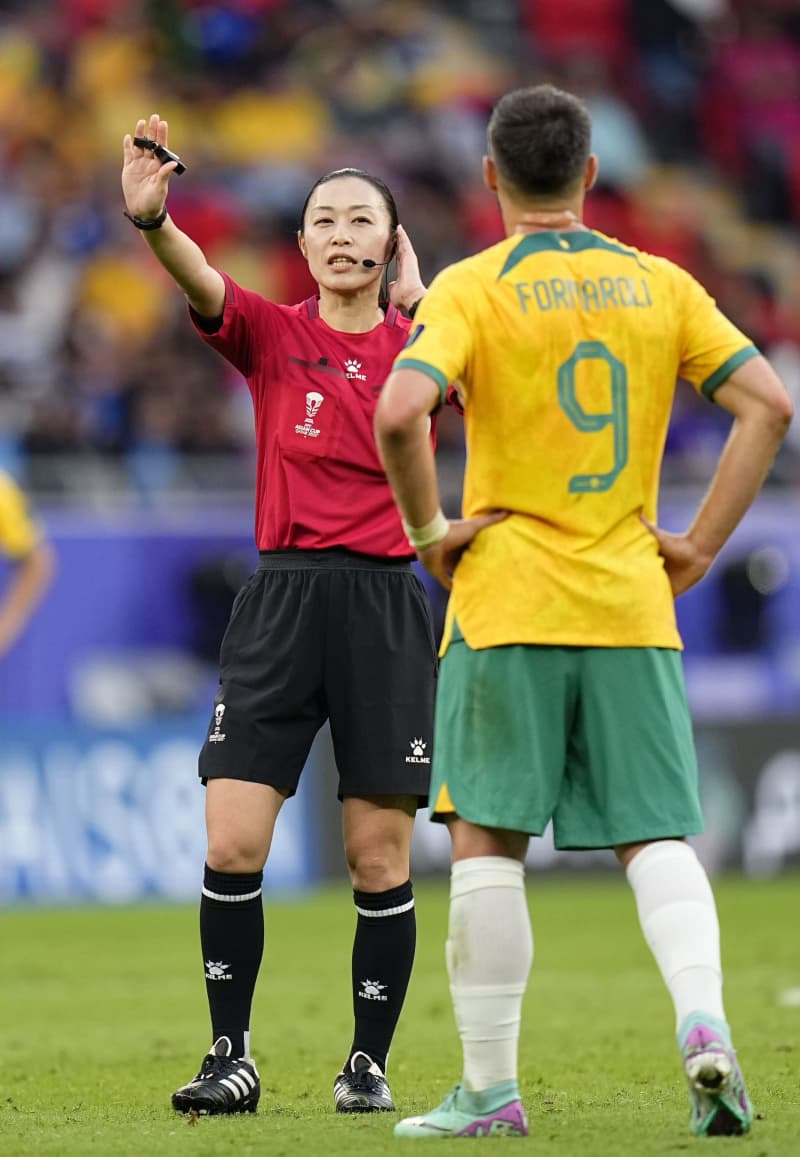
x=401, y=430
x=762, y=411
x=31, y=576
x=145, y=183
x=404, y=445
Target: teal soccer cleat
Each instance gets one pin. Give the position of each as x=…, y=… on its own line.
x=495, y=1112
x=720, y=1104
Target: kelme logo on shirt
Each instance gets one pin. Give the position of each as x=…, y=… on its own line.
x=307, y=429
x=352, y=369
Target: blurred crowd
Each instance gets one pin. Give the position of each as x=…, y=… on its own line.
x=103, y=386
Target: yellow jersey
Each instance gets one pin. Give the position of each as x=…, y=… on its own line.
x=19, y=534
x=568, y=347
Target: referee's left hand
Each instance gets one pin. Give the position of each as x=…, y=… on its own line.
x=441, y=559
x=408, y=288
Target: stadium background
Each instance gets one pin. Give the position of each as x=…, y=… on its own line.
x=135, y=442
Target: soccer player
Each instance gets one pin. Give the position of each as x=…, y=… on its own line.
x=561, y=692
x=32, y=560
x=333, y=624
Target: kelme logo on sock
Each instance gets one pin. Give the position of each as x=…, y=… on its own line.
x=372, y=990
x=216, y=970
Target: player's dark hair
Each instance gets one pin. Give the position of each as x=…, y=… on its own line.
x=376, y=182
x=540, y=139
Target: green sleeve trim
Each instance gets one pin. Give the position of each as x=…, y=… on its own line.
x=424, y=368
x=727, y=368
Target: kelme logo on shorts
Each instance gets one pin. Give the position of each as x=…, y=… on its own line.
x=418, y=752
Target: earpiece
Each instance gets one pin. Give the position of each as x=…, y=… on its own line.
x=368, y=263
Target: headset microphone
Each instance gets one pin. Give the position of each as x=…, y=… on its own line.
x=370, y=264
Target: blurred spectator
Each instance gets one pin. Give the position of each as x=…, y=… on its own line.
x=752, y=110
x=671, y=43
x=617, y=135
x=560, y=29
x=32, y=562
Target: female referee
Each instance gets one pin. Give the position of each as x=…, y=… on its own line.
x=332, y=625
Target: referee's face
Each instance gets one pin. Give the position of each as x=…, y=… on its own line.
x=346, y=222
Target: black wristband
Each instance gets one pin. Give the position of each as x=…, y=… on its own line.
x=147, y=223
x=413, y=309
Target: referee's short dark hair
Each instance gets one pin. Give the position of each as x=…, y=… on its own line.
x=540, y=139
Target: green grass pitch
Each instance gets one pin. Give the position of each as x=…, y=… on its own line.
x=102, y=1015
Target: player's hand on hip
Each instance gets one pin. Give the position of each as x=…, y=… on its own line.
x=145, y=181
x=441, y=559
x=684, y=562
x=408, y=288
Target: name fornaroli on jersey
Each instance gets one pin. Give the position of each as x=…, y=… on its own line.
x=319, y=481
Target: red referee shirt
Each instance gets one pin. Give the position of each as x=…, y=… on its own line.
x=319, y=481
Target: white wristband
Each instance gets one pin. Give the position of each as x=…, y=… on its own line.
x=421, y=537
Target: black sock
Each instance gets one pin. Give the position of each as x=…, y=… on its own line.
x=383, y=955
x=232, y=941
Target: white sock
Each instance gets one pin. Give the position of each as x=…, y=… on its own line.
x=679, y=921
x=489, y=954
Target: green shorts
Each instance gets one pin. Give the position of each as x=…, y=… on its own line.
x=598, y=739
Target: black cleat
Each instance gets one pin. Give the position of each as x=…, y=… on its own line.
x=362, y=1087
x=223, y=1085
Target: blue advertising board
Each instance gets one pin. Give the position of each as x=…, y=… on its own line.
x=117, y=816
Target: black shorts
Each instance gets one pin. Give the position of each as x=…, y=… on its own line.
x=316, y=635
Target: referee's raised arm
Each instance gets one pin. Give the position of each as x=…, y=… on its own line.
x=145, y=183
